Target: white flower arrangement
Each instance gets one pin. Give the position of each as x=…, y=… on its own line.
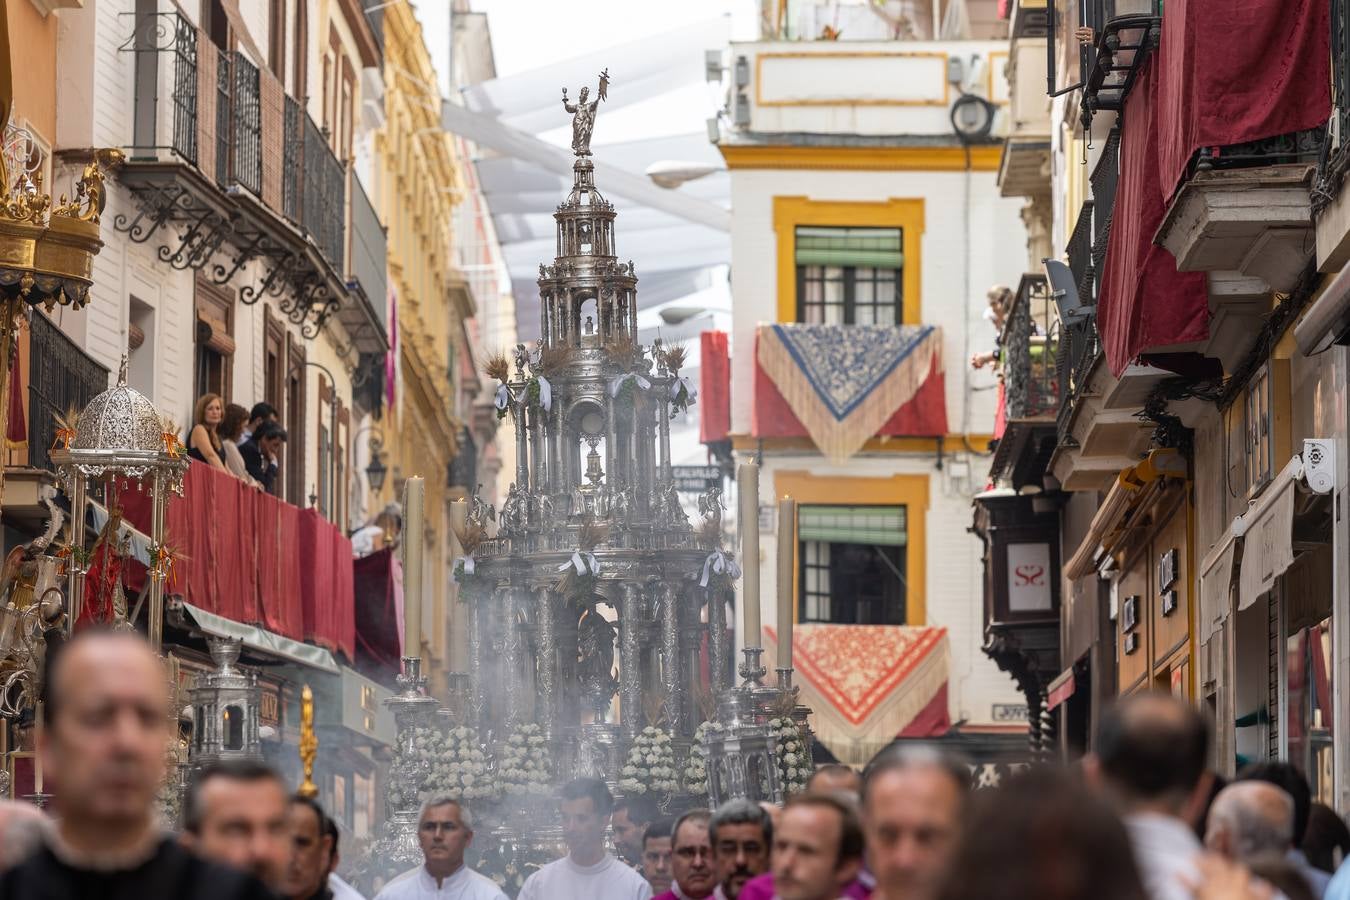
x=794, y=766
x=650, y=765
x=695, y=773
x=522, y=763
x=459, y=766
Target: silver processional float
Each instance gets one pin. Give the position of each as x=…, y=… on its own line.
x=592, y=549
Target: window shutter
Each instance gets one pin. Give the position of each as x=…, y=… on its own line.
x=879, y=248
x=881, y=525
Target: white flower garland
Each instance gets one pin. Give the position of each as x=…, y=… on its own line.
x=650, y=765
x=696, y=770
x=460, y=768
x=522, y=763
x=794, y=768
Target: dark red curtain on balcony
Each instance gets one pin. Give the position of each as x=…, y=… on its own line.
x=1144, y=301
x=326, y=595
x=1238, y=71
x=714, y=387
x=252, y=558
x=378, y=595
x=1224, y=74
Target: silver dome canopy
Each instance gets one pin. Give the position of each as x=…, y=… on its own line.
x=119, y=419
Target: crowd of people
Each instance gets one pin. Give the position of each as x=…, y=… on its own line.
x=246, y=443
x=1140, y=818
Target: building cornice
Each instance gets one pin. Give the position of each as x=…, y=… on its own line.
x=983, y=158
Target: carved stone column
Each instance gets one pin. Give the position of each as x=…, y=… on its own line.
x=630, y=659
x=717, y=638
x=672, y=663
x=547, y=640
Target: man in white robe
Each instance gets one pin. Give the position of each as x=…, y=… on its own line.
x=587, y=872
x=445, y=830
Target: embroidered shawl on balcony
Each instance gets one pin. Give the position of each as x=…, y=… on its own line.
x=845, y=382
x=869, y=684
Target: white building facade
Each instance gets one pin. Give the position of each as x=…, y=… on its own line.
x=834, y=147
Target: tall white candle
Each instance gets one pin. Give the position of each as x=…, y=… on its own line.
x=787, y=570
x=414, y=525
x=747, y=481
x=459, y=516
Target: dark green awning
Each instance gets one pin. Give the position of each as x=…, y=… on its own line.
x=882, y=525
x=875, y=247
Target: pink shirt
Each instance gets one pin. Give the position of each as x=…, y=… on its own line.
x=761, y=888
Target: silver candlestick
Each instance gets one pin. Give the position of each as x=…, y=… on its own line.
x=751, y=670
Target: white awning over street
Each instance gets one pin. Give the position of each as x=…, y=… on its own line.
x=1267, y=532
x=1216, y=585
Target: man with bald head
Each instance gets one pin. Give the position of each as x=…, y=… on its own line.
x=1149, y=760
x=1250, y=819
x=106, y=713
x=834, y=778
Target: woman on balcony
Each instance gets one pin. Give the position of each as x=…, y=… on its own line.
x=204, y=443
x=231, y=427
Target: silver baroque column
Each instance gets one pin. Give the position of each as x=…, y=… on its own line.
x=672, y=663
x=547, y=641
x=630, y=659
x=477, y=712
x=522, y=442
x=717, y=637
x=511, y=658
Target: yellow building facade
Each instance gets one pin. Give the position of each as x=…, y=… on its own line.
x=418, y=172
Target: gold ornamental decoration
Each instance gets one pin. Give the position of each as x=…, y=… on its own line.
x=309, y=743
x=47, y=249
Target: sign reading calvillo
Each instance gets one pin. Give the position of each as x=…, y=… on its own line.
x=1029, y=577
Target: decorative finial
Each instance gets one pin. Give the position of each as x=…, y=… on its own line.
x=309, y=743
x=583, y=115
x=122, y=371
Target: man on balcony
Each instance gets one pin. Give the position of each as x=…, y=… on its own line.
x=261, y=452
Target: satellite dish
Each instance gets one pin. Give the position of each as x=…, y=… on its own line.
x=1072, y=311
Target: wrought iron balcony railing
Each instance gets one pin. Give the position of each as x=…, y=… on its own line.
x=1295, y=147
x=324, y=203
x=1124, y=33
x=368, y=248
x=1030, y=376
x=1332, y=172
x=1077, y=346
x=61, y=378
x=220, y=113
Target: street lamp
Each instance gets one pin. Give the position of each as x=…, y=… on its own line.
x=670, y=174
x=375, y=470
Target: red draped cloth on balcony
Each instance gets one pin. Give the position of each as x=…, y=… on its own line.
x=379, y=596
x=1223, y=74
x=327, y=602
x=904, y=394
x=869, y=684
x=253, y=558
x=714, y=387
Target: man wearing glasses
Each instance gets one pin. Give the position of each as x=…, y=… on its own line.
x=444, y=830
x=691, y=858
